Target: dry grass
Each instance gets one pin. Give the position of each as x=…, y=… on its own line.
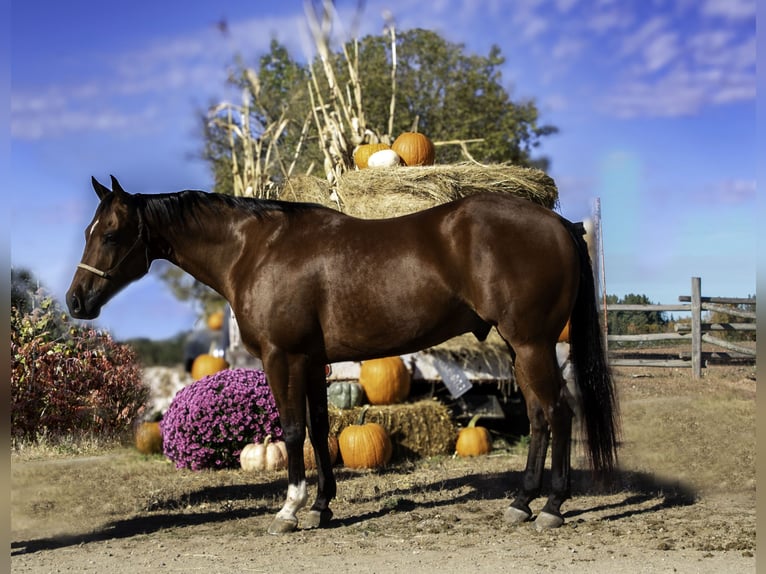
x=381, y=193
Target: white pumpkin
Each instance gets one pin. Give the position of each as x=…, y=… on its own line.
x=266, y=455
x=384, y=158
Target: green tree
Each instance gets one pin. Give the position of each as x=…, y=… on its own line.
x=167, y=352
x=447, y=93
x=724, y=318
x=451, y=95
x=634, y=322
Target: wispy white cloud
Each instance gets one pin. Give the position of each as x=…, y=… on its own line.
x=730, y=9
x=56, y=120
x=735, y=192
x=673, y=68
x=141, y=88
x=685, y=57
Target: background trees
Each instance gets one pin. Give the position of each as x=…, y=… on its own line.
x=634, y=322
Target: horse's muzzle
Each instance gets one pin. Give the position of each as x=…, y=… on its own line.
x=79, y=308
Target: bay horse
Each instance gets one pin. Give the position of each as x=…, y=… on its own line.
x=310, y=286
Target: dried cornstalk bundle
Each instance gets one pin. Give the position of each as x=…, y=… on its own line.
x=381, y=193
x=419, y=429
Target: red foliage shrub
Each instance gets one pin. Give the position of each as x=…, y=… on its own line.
x=70, y=381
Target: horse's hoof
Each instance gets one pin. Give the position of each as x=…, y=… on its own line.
x=546, y=521
x=283, y=525
x=515, y=515
x=317, y=518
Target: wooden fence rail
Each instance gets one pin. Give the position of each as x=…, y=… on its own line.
x=695, y=333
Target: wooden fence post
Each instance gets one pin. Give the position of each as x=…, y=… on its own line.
x=696, y=328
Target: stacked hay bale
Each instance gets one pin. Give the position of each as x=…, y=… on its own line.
x=417, y=430
x=394, y=191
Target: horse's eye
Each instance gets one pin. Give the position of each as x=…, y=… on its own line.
x=110, y=238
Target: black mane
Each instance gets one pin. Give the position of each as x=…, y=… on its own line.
x=192, y=204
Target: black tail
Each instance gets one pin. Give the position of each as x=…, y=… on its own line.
x=599, y=401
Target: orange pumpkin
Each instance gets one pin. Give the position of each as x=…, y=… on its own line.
x=473, y=440
x=365, y=444
x=148, y=437
x=215, y=321
x=385, y=381
x=564, y=335
x=414, y=149
x=309, y=460
x=364, y=151
x=205, y=365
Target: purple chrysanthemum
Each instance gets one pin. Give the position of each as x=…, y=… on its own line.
x=210, y=421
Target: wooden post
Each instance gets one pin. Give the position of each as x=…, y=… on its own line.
x=696, y=328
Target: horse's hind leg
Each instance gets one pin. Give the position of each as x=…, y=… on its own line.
x=539, y=377
x=519, y=510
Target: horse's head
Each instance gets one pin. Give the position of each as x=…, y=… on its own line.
x=116, y=252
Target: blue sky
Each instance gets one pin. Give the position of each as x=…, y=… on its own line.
x=655, y=101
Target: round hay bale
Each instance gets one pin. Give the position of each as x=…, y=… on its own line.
x=382, y=193
x=420, y=429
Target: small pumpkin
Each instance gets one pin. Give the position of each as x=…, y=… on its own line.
x=363, y=152
x=473, y=440
x=206, y=364
x=266, y=455
x=309, y=459
x=564, y=335
x=385, y=381
x=345, y=395
x=215, y=321
x=384, y=158
x=365, y=444
x=415, y=149
x=148, y=437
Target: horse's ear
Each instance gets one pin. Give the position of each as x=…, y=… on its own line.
x=116, y=187
x=101, y=190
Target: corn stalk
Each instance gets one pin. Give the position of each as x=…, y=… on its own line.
x=254, y=155
x=340, y=119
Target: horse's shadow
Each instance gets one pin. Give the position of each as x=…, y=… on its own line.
x=637, y=489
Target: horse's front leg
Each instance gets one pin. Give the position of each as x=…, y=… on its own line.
x=287, y=380
x=319, y=429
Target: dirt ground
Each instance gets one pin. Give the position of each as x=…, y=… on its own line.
x=684, y=501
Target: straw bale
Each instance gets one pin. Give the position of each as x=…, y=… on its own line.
x=420, y=429
x=390, y=192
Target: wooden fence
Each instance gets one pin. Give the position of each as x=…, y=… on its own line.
x=695, y=332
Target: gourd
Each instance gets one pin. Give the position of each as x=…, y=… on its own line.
x=309, y=459
x=206, y=364
x=384, y=158
x=414, y=149
x=363, y=152
x=365, y=444
x=215, y=321
x=473, y=440
x=148, y=437
x=385, y=381
x=345, y=395
x=266, y=455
